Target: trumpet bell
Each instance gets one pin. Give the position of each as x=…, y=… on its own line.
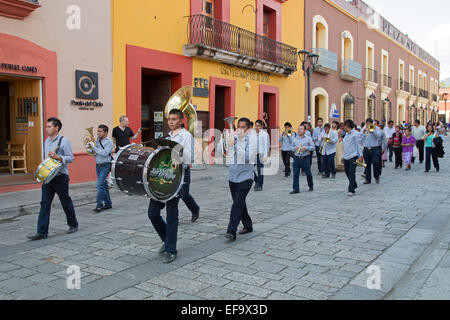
x=180, y=100
x=289, y=133
x=371, y=128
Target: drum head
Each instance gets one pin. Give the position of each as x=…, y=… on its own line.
x=164, y=175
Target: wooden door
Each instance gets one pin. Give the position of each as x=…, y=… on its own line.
x=25, y=118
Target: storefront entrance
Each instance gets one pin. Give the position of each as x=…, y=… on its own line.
x=21, y=128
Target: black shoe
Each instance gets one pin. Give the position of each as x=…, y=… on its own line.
x=427, y=171
x=245, y=231
x=311, y=189
x=325, y=177
x=36, y=236
x=106, y=207
x=396, y=168
x=98, y=209
x=367, y=182
x=72, y=230
x=377, y=181
x=333, y=176
x=170, y=257
x=258, y=188
x=294, y=192
x=162, y=249
x=195, y=217
x=230, y=236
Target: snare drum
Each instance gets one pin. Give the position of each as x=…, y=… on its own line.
x=47, y=170
x=148, y=172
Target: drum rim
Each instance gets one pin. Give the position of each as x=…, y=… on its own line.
x=144, y=177
x=113, y=168
x=53, y=173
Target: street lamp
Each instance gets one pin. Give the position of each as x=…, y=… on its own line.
x=312, y=59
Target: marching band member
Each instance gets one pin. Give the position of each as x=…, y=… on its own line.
x=262, y=147
x=389, y=130
x=372, y=152
x=241, y=158
x=302, y=146
x=328, y=151
x=168, y=231
x=59, y=184
x=352, y=152
x=103, y=148
x=318, y=130
x=285, y=145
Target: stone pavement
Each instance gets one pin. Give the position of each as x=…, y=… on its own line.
x=308, y=246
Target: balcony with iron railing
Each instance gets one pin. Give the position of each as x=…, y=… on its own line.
x=371, y=75
x=424, y=94
x=386, y=81
x=327, y=62
x=214, y=39
x=403, y=85
x=18, y=9
x=351, y=70
x=413, y=90
x=435, y=97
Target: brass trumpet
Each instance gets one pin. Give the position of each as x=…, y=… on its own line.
x=89, y=138
x=360, y=164
x=371, y=128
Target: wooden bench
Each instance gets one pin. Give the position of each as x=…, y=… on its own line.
x=16, y=151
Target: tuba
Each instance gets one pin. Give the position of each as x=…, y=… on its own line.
x=289, y=133
x=89, y=138
x=371, y=128
x=181, y=100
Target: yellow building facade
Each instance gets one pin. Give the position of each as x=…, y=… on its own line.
x=240, y=56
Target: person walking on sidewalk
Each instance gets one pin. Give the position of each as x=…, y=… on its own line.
x=317, y=133
x=103, y=148
x=352, y=153
x=286, y=153
x=302, y=146
x=397, y=146
x=59, y=184
x=262, y=147
x=408, y=143
x=328, y=151
x=418, y=132
x=430, y=149
x=242, y=151
x=389, y=130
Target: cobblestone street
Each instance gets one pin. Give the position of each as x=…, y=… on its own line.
x=307, y=246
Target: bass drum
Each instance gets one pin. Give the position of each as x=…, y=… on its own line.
x=148, y=172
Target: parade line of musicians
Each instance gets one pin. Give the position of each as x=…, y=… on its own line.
x=248, y=147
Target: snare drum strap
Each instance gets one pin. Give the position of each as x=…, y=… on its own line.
x=59, y=145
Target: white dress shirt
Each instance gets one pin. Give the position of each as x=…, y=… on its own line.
x=185, y=139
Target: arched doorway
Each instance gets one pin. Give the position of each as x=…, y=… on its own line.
x=348, y=107
x=319, y=105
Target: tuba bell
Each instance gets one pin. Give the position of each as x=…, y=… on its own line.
x=89, y=138
x=371, y=128
x=181, y=100
x=227, y=133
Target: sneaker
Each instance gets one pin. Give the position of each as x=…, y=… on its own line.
x=36, y=236
x=230, y=236
x=106, y=207
x=98, y=209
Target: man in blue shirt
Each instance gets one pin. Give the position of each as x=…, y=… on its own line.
x=302, y=146
x=328, y=151
x=285, y=145
x=103, y=148
x=352, y=153
x=241, y=158
x=262, y=147
x=372, y=151
x=316, y=137
x=59, y=184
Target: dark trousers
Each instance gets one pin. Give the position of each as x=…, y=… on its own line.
x=319, y=160
x=420, y=144
x=103, y=196
x=431, y=153
x=372, y=159
x=350, y=171
x=286, y=156
x=259, y=177
x=398, y=157
x=391, y=151
x=328, y=165
x=166, y=231
x=59, y=185
x=239, y=212
x=305, y=165
x=185, y=195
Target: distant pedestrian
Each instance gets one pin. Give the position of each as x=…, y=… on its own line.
x=408, y=143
